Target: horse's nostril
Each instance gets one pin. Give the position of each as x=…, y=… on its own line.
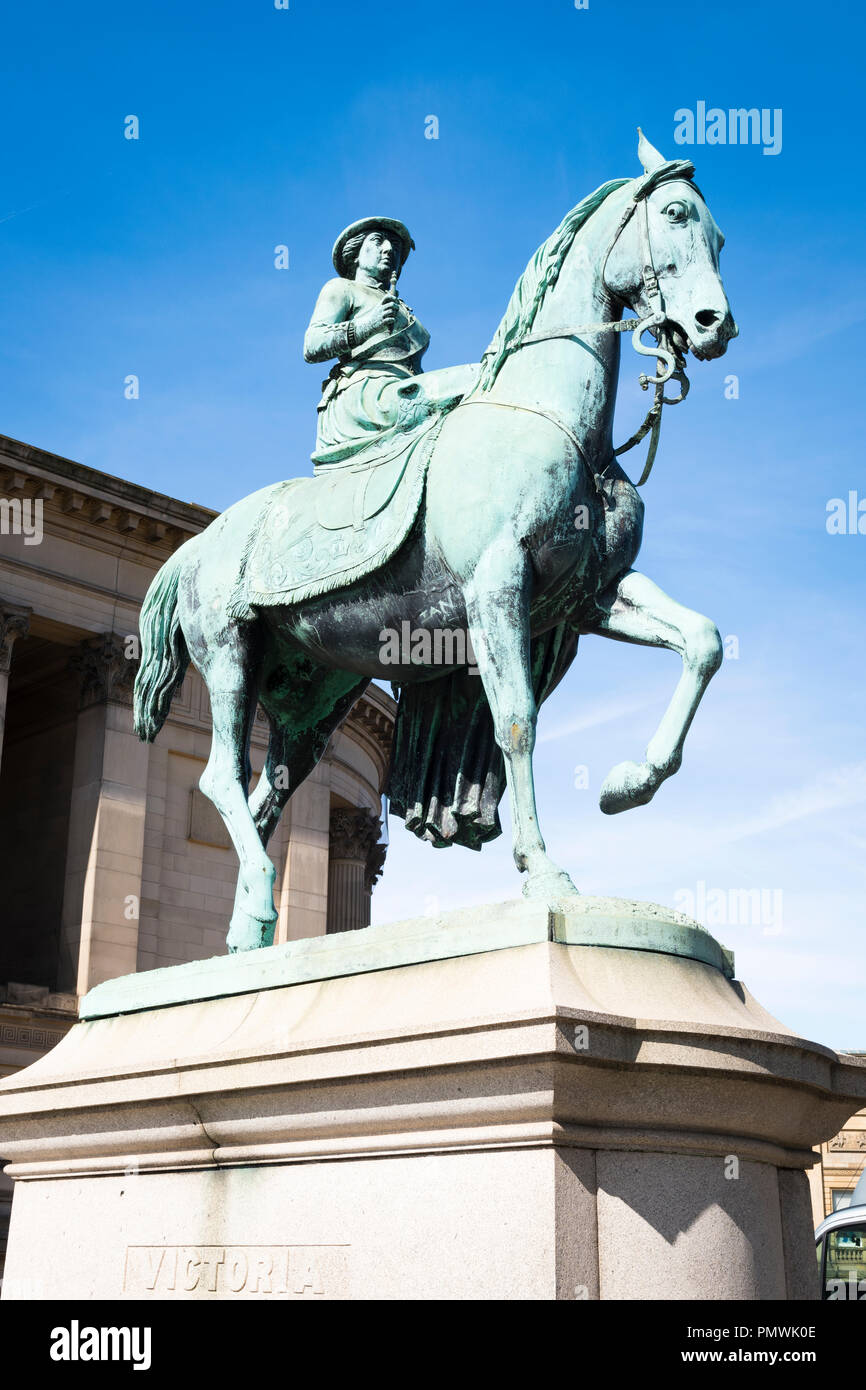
x=707, y=318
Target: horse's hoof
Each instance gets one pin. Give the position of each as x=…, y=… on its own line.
x=250, y=933
x=628, y=784
x=551, y=888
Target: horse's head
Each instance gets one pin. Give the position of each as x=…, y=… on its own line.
x=664, y=260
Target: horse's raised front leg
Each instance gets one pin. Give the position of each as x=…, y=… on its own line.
x=639, y=611
x=225, y=781
x=497, y=606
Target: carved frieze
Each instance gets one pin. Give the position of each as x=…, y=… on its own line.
x=851, y=1140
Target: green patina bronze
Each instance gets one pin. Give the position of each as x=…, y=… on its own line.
x=583, y=921
x=484, y=499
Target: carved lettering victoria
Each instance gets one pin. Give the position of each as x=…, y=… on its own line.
x=241, y=1271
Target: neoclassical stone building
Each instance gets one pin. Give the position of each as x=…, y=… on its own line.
x=112, y=859
x=843, y=1161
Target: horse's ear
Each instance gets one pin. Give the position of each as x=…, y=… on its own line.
x=648, y=154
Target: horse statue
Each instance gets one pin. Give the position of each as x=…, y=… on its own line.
x=497, y=510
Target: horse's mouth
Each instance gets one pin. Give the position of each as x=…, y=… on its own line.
x=677, y=341
x=680, y=342
x=714, y=345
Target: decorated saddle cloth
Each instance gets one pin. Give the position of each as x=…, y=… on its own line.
x=318, y=534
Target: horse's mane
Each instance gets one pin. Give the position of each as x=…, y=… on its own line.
x=539, y=276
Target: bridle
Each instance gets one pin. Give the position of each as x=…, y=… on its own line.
x=671, y=364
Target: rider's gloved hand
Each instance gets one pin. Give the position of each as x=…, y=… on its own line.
x=382, y=316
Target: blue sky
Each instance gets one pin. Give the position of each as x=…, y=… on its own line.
x=261, y=127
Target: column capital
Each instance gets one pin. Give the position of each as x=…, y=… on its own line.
x=356, y=857
x=14, y=622
x=106, y=670
x=353, y=833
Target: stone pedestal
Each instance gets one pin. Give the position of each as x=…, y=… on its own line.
x=496, y=1105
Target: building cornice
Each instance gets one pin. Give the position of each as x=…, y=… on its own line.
x=101, y=511
x=371, y=721
x=80, y=494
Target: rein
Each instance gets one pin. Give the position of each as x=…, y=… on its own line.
x=670, y=363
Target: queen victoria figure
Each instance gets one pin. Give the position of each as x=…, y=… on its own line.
x=376, y=389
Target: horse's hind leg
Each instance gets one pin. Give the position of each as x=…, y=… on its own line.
x=276, y=783
x=225, y=781
x=639, y=611
x=293, y=750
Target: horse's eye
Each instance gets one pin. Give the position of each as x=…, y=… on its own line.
x=676, y=212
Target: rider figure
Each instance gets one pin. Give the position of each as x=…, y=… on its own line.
x=376, y=384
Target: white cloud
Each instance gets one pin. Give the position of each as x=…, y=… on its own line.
x=601, y=713
x=840, y=787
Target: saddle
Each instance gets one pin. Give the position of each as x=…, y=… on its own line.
x=318, y=534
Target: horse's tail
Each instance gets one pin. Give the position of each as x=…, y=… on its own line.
x=164, y=654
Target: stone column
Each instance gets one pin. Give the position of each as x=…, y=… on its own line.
x=303, y=900
x=355, y=861
x=102, y=894
x=14, y=622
